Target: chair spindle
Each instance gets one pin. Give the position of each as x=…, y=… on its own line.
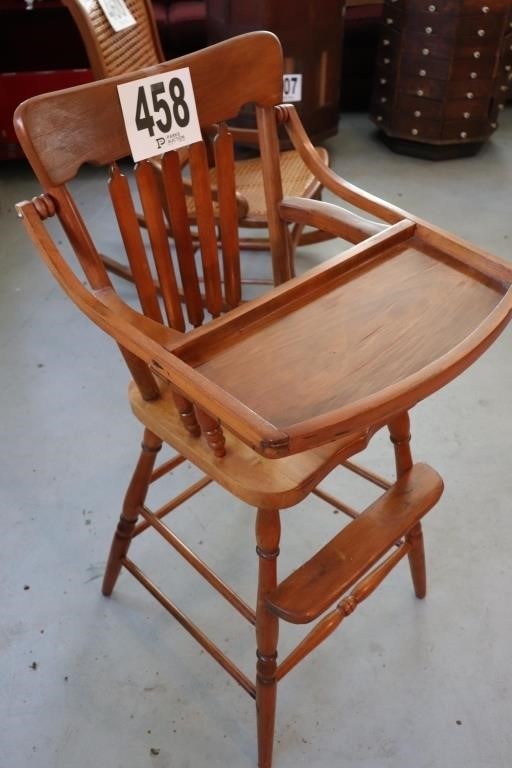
x=177, y=207
x=187, y=415
x=151, y=199
x=213, y=432
x=133, y=243
x=206, y=227
x=228, y=215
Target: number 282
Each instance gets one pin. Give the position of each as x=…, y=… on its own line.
x=167, y=106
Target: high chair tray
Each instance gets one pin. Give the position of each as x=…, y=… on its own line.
x=360, y=337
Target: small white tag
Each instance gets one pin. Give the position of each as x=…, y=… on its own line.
x=117, y=14
x=159, y=113
x=292, y=88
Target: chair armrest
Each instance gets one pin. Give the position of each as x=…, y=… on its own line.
x=287, y=114
x=328, y=218
x=103, y=305
x=375, y=206
x=149, y=341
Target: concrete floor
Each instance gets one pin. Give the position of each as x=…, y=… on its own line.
x=89, y=681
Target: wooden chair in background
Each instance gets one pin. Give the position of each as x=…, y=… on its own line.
x=269, y=398
x=115, y=53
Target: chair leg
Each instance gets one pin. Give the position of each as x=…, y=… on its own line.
x=399, y=430
x=135, y=496
x=268, y=531
x=295, y=235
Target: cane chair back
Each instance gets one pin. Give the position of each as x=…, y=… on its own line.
x=269, y=398
x=113, y=53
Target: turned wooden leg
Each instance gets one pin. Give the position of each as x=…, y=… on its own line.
x=399, y=430
x=268, y=531
x=133, y=500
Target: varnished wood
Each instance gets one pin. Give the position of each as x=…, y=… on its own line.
x=329, y=217
x=173, y=504
x=176, y=205
x=212, y=430
x=313, y=587
x=400, y=350
x=79, y=238
x=132, y=239
x=284, y=388
x=132, y=506
x=206, y=227
x=280, y=245
x=254, y=428
x=56, y=163
x=336, y=503
x=268, y=533
x=187, y=414
x=400, y=434
x=253, y=478
x=372, y=477
x=146, y=382
x=224, y=163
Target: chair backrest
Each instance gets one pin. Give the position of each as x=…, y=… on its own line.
x=113, y=53
x=63, y=130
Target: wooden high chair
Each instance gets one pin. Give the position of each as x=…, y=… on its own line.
x=116, y=53
x=269, y=398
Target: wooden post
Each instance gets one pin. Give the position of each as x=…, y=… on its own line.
x=268, y=532
x=187, y=415
x=399, y=430
x=133, y=501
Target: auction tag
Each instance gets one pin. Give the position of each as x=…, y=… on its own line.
x=292, y=87
x=159, y=113
x=117, y=14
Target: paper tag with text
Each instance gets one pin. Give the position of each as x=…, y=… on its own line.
x=117, y=14
x=159, y=113
x=292, y=88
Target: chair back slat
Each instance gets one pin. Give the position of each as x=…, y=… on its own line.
x=151, y=199
x=178, y=215
x=206, y=227
x=130, y=232
x=228, y=216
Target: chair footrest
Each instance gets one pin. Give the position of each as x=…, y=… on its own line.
x=311, y=589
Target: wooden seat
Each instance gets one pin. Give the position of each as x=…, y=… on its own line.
x=268, y=396
x=245, y=473
x=115, y=53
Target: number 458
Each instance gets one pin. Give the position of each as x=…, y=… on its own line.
x=166, y=105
